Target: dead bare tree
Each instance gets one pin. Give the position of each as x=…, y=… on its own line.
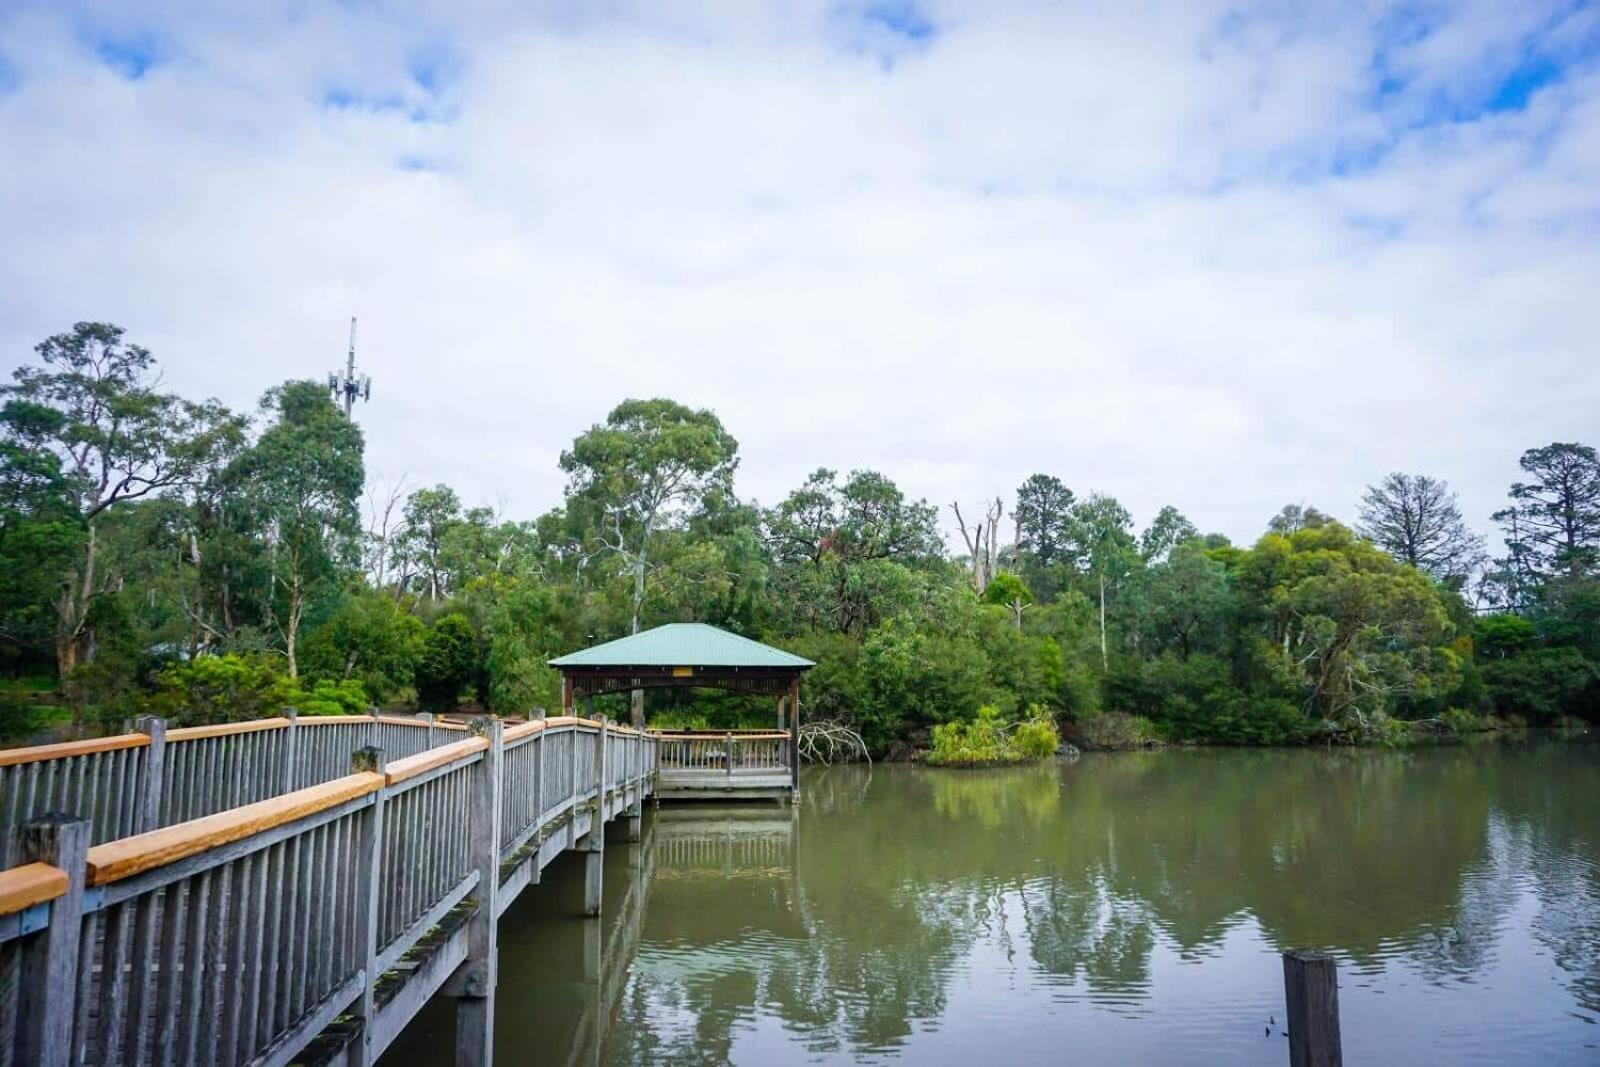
x=827, y=742
x=982, y=542
x=380, y=521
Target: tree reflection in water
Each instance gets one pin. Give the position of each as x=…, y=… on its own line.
x=1125, y=907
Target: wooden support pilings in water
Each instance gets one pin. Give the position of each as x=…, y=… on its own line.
x=329, y=914
x=1311, y=993
x=595, y=841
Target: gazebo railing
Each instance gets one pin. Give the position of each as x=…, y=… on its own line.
x=728, y=752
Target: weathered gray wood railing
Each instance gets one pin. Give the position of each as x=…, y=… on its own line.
x=156, y=777
x=728, y=762
x=337, y=909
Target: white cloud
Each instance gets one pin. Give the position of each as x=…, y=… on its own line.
x=1177, y=253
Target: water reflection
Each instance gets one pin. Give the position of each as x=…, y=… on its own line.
x=1124, y=908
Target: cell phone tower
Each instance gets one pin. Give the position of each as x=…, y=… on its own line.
x=350, y=385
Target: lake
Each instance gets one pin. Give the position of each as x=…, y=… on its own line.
x=1121, y=908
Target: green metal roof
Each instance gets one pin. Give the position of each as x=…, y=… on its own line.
x=682, y=644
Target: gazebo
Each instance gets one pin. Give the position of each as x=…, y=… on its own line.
x=702, y=763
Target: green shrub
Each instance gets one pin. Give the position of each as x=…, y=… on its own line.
x=326, y=697
x=226, y=688
x=1036, y=736
x=449, y=662
x=1460, y=721
x=988, y=740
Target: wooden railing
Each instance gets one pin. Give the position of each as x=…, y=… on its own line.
x=240, y=936
x=729, y=752
x=157, y=777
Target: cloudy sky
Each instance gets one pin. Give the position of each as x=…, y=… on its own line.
x=1224, y=256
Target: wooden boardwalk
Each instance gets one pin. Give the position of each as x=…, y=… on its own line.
x=273, y=903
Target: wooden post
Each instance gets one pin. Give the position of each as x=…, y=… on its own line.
x=480, y=972
x=369, y=890
x=794, y=734
x=1311, y=990
x=47, y=993
x=727, y=754
x=427, y=717
x=595, y=842
x=155, y=770
x=291, y=751
x=566, y=694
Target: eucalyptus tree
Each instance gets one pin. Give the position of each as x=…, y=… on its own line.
x=1417, y=520
x=847, y=555
x=303, y=479
x=642, y=472
x=429, y=518
x=1296, y=517
x=1166, y=531
x=95, y=406
x=1102, y=533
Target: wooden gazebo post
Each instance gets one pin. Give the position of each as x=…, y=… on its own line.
x=794, y=732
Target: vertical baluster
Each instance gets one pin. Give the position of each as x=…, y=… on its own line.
x=267, y=1011
x=113, y=983
x=142, y=980
x=174, y=910
x=194, y=1003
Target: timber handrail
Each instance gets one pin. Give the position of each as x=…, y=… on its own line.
x=422, y=762
x=128, y=856
x=718, y=735
x=222, y=729
x=61, y=750
x=30, y=884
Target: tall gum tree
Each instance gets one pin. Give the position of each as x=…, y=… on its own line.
x=303, y=478
x=96, y=406
x=646, y=469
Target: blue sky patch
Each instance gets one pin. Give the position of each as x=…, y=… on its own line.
x=434, y=67
x=130, y=55
x=10, y=76
x=903, y=18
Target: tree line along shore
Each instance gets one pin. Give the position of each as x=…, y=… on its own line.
x=161, y=554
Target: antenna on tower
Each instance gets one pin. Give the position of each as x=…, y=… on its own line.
x=347, y=387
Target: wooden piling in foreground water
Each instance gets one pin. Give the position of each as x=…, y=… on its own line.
x=1311, y=992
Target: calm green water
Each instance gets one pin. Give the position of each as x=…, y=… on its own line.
x=1123, y=908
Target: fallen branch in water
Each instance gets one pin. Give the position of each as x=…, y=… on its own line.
x=828, y=742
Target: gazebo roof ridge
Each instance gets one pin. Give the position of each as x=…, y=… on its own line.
x=683, y=644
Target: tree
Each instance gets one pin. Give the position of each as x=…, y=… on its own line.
x=846, y=557
x=1296, y=517
x=982, y=548
x=1007, y=589
x=429, y=517
x=650, y=465
x=303, y=479
x=449, y=663
x=1102, y=534
x=1417, y=520
x=1554, y=521
x=1166, y=531
x=1043, y=517
x=369, y=638
x=95, y=407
